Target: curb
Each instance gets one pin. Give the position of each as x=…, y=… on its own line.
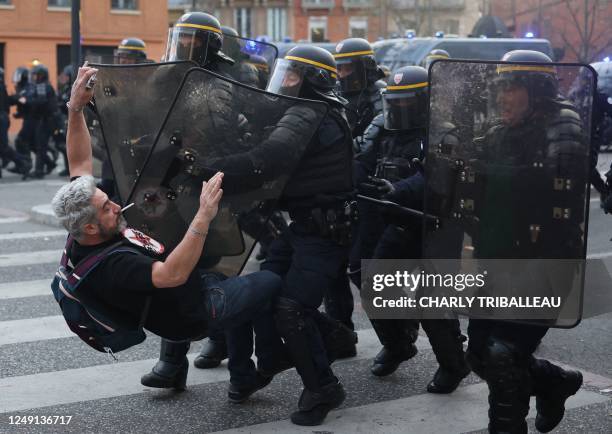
x=44, y=214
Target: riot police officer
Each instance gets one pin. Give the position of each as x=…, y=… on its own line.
x=359, y=79
x=534, y=125
x=435, y=54
x=40, y=102
x=397, y=141
x=21, y=156
x=313, y=252
x=130, y=51
x=360, y=82
x=196, y=36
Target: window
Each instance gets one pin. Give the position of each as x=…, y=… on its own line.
x=451, y=27
x=59, y=3
x=277, y=23
x=358, y=28
x=131, y=5
x=317, y=29
x=5, y=2
x=242, y=18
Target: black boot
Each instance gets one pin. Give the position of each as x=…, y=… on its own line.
x=388, y=360
x=447, y=344
x=171, y=369
x=212, y=353
x=398, y=337
x=510, y=387
x=553, y=386
x=314, y=406
x=322, y=390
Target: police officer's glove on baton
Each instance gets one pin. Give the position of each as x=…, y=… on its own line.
x=377, y=187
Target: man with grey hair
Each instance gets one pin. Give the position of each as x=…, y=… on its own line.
x=184, y=301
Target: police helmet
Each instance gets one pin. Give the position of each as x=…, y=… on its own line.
x=539, y=79
x=196, y=36
x=39, y=73
x=357, y=67
x=405, y=99
x=306, y=71
x=1, y=75
x=436, y=54
x=229, y=31
x=20, y=76
x=131, y=50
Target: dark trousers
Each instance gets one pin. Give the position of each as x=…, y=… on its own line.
x=240, y=306
x=309, y=265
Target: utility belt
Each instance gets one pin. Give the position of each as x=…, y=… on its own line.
x=329, y=220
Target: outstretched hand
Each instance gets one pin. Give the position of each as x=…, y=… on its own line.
x=210, y=196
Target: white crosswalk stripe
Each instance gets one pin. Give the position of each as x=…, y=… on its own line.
x=464, y=410
x=30, y=258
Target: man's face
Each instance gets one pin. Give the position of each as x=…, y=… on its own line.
x=126, y=60
x=291, y=79
x=110, y=222
x=345, y=69
x=513, y=103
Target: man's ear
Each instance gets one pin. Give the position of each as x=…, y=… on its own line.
x=90, y=229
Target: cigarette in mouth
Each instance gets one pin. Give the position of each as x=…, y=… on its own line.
x=127, y=207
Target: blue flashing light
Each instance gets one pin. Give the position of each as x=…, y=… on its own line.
x=483, y=36
x=529, y=35
x=607, y=59
x=410, y=34
x=439, y=34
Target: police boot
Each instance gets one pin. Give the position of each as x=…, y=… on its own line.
x=447, y=344
x=213, y=352
x=171, y=369
x=552, y=387
x=340, y=341
x=314, y=405
x=322, y=390
x=397, y=337
x=510, y=387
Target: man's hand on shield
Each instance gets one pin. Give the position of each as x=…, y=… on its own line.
x=377, y=187
x=210, y=197
x=82, y=89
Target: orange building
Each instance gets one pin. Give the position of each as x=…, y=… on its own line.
x=334, y=20
x=40, y=30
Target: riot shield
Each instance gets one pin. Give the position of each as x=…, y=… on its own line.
x=254, y=137
x=131, y=103
x=511, y=198
x=254, y=60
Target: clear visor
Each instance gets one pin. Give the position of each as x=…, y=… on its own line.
x=404, y=111
x=17, y=76
x=287, y=78
x=352, y=75
x=183, y=44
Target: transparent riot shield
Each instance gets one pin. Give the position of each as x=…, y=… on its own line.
x=131, y=102
x=254, y=60
x=254, y=137
x=510, y=199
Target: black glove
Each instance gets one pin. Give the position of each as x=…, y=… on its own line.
x=377, y=187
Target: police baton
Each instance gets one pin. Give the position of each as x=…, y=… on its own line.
x=394, y=206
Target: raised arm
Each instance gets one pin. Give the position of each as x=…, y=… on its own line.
x=78, y=141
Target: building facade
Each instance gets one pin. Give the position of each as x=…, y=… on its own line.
x=426, y=17
x=579, y=30
x=39, y=30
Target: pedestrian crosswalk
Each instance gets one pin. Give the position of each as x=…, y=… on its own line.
x=45, y=370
